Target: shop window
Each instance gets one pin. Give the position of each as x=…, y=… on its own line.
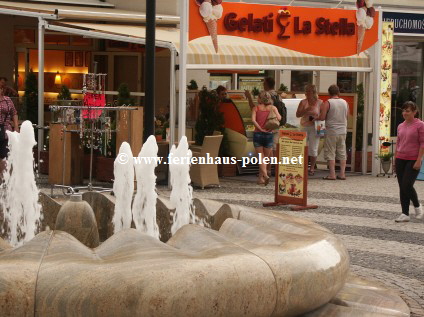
x=407, y=79
x=251, y=82
x=299, y=80
x=24, y=36
x=215, y=81
x=346, y=82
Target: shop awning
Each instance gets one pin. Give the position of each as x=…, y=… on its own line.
x=234, y=53
x=86, y=12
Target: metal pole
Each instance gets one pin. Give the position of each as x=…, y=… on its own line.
x=149, y=107
x=183, y=68
x=367, y=104
x=41, y=29
x=171, y=108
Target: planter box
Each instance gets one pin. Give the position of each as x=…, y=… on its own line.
x=104, y=169
x=227, y=170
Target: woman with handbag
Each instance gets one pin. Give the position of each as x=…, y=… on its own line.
x=266, y=118
x=308, y=110
x=8, y=116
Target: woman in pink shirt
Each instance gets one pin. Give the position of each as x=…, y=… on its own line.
x=409, y=156
x=263, y=139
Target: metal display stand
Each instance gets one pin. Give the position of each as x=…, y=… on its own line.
x=390, y=173
x=70, y=189
x=95, y=83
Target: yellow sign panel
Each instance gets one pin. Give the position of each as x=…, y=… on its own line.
x=386, y=80
x=291, y=171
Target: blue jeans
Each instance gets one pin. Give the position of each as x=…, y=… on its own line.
x=263, y=139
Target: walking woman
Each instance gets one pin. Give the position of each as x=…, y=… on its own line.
x=409, y=156
x=309, y=110
x=263, y=139
x=8, y=116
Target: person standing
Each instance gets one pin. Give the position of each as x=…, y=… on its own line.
x=222, y=93
x=269, y=86
x=309, y=110
x=7, y=91
x=8, y=117
x=408, y=159
x=263, y=139
x=335, y=112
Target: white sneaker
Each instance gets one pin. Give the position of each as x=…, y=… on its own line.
x=402, y=218
x=419, y=214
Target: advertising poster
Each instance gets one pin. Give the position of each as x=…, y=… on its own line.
x=386, y=81
x=291, y=170
x=306, y=30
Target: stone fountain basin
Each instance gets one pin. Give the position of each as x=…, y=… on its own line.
x=258, y=263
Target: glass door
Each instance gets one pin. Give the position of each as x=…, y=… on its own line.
x=407, y=79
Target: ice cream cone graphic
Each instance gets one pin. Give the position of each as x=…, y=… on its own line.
x=361, y=36
x=211, y=12
x=364, y=20
x=213, y=32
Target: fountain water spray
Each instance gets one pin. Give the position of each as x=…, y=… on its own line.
x=123, y=188
x=19, y=193
x=182, y=192
x=144, y=205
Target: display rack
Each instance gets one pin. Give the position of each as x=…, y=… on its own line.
x=88, y=112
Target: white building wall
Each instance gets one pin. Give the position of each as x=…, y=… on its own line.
x=285, y=78
x=326, y=79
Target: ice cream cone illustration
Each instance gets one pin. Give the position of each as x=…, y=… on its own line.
x=361, y=37
x=213, y=32
x=364, y=20
x=211, y=11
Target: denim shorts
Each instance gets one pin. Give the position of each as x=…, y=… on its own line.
x=263, y=139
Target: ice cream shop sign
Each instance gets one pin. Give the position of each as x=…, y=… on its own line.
x=315, y=31
x=266, y=24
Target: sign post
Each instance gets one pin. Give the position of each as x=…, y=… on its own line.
x=291, y=175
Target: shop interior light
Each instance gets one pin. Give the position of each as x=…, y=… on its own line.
x=58, y=79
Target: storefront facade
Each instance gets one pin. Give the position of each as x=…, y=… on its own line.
x=408, y=62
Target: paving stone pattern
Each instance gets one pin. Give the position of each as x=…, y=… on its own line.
x=361, y=211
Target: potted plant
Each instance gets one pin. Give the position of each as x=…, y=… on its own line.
x=386, y=161
x=159, y=127
x=193, y=85
x=31, y=98
x=283, y=88
x=255, y=91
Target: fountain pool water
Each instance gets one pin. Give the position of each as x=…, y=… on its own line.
x=123, y=188
x=144, y=205
x=19, y=193
x=182, y=192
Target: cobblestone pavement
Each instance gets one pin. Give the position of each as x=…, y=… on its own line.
x=361, y=212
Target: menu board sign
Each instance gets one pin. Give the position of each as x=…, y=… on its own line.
x=291, y=176
x=291, y=168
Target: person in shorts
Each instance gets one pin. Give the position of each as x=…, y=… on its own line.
x=263, y=139
x=335, y=112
